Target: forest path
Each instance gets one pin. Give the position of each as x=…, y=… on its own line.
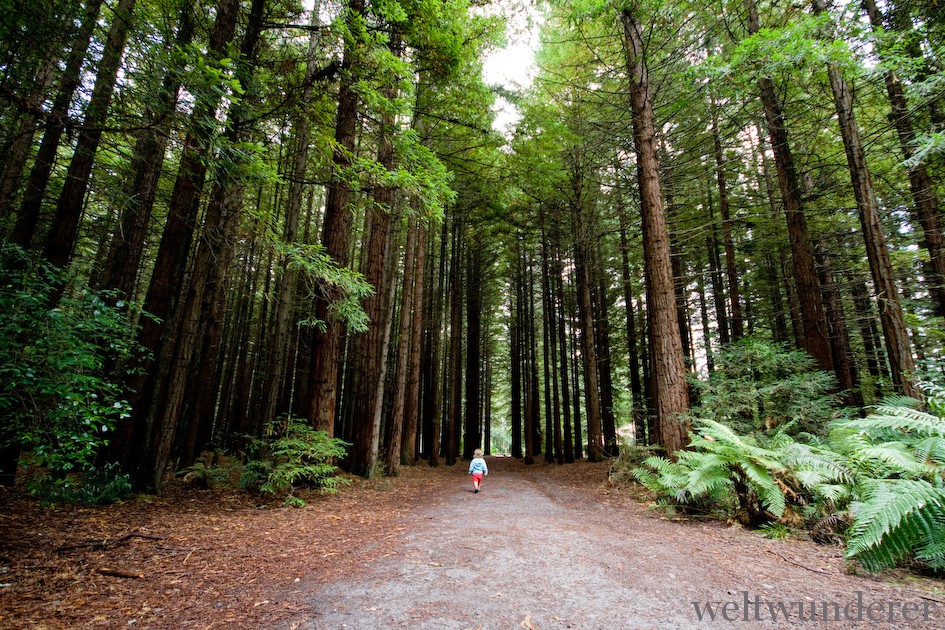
x=542, y=547
x=538, y=550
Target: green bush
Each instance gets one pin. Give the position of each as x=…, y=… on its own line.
x=884, y=473
x=295, y=455
x=762, y=386
x=98, y=486
x=60, y=392
x=732, y=472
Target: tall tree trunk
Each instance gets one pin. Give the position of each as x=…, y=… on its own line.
x=472, y=432
x=564, y=361
x=515, y=354
x=60, y=243
x=412, y=400
x=133, y=438
x=397, y=449
x=731, y=269
x=671, y=397
x=898, y=345
x=633, y=354
x=925, y=210
x=866, y=321
x=844, y=368
x=336, y=229
x=199, y=317
x=451, y=435
x=815, y=336
x=30, y=207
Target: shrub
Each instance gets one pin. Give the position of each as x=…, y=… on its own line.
x=722, y=464
x=296, y=455
x=60, y=395
x=98, y=486
x=762, y=386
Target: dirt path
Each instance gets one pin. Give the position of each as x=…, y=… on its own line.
x=541, y=547
x=532, y=551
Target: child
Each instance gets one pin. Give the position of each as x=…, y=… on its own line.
x=478, y=468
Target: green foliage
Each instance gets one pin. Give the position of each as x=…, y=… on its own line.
x=295, y=455
x=57, y=396
x=883, y=472
x=721, y=464
x=775, y=531
x=98, y=486
x=760, y=385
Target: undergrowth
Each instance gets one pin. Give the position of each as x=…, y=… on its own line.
x=875, y=483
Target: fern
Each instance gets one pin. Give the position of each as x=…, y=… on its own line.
x=897, y=516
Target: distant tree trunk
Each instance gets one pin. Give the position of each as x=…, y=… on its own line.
x=432, y=394
x=565, y=380
x=60, y=243
x=925, y=210
x=451, y=436
x=704, y=317
x=553, y=438
x=608, y=421
x=815, y=336
x=515, y=354
x=730, y=262
x=718, y=288
x=844, y=368
x=472, y=433
x=633, y=355
x=576, y=374
x=395, y=446
x=55, y=124
x=898, y=345
x=412, y=400
x=336, y=231
x=671, y=398
x=866, y=320
x=533, y=384
x=595, y=441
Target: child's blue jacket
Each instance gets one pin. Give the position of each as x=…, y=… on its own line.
x=478, y=465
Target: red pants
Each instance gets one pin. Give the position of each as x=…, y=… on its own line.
x=477, y=478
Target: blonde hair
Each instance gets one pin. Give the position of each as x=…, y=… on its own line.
x=477, y=453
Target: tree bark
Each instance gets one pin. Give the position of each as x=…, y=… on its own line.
x=60, y=243
x=671, y=397
x=895, y=333
x=336, y=230
x=30, y=207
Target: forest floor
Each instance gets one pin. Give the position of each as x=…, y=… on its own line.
x=540, y=547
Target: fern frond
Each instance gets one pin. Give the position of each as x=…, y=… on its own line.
x=898, y=419
x=705, y=480
x=896, y=515
x=894, y=455
x=770, y=493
